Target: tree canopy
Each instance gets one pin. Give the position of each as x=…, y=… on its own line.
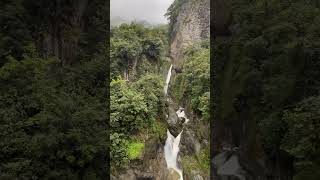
x=53, y=115
x=267, y=75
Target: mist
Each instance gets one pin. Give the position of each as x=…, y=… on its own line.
x=150, y=10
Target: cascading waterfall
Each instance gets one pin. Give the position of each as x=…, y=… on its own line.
x=171, y=148
x=167, y=81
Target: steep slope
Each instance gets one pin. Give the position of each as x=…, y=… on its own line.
x=189, y=89
x=190, y=22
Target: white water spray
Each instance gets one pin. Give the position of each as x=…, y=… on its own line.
x=171, y=147
x=171, y=150
x=167, y=81
x=181, y=114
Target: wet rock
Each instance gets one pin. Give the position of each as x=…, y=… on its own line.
x=175, y=129
x=177, y=70
x=128, y=175
x=197, y=177
x=189, y=143
x=230, y=164
x=232, y=167
x=173, y=175
x=145, y=176
x=175, y=124
x=154, y=163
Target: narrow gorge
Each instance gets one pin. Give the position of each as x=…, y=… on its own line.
x=172, y=142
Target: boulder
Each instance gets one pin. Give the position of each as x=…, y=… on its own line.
x=173, y=175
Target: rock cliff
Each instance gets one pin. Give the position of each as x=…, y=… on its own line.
x=71, y=31
x=190, y=24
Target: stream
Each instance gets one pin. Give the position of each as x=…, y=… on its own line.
x=166, y=86
x=171, y=148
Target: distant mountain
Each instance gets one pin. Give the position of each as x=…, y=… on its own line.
x=144, y=23
x=116, y=21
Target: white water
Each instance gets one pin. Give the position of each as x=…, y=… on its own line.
x=171, y=147
x=181, y=114
x=167, y=81
x=171, y=150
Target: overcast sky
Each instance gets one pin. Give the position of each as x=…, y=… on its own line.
x=150, y=10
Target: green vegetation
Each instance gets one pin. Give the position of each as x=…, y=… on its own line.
x=192, y=87
x=135, y=150
x=310, y=173
x=137, y=56
x=198, y=162
x=303, y=135
x=267, y=75
x=159, y=129
x=52, y=108
x=137, y=50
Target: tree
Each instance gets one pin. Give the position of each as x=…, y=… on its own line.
x=302, y=140
x=132, y=46
x=192, y=86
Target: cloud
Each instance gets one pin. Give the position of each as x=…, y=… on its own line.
x=150, y=10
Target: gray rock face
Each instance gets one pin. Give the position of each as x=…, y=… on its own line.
x=173, y=175
x=190, y=143
x=198, y=177
x=231, y=168
x=192, y=24
x=175, y=124
x=231, y=164
x=227, y=165
x=151, y=166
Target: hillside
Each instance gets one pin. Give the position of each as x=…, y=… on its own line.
x=53, y=76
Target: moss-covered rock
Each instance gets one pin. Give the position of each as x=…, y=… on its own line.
x=135, y=149
x=199, y=162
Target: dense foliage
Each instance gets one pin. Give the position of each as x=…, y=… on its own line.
x=192, y=86
x=268, y=75
x=53, y=118
x=137, y=50
x=135, y=107
x=137, y=53
x=302, y=139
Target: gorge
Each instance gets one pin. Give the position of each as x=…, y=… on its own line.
x=174, y=141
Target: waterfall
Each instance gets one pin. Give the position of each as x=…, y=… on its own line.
x=171, y=147
x=171, y=150
x=167, y=81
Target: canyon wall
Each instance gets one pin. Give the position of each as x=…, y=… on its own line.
x=191, y=24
